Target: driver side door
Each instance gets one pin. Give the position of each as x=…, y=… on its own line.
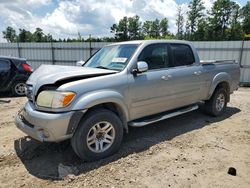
x=149, y=92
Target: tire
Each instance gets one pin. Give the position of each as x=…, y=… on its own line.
x=18, y=88
x=88, y=129
x=217, y=104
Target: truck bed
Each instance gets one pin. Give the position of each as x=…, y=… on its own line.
x=205, y=62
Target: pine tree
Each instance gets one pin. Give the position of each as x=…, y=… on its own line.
x=246, y=18
x=179, y=23
x=164, y=27
x=195, y=14
x=10, y=34
x=219, y=20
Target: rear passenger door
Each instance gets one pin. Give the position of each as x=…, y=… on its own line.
x=185, y=75
x=4, y=73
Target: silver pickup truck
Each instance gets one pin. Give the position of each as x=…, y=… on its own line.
x=125, y=84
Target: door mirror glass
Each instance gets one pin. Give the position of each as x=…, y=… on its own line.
x=142, y=66
x=80, y=63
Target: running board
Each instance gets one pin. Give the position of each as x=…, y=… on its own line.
x=140, y=123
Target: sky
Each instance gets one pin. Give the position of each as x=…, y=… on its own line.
x=66, y=18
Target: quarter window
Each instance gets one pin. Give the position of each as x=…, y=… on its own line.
x=182, y=55
x=155, y=55
x=4, y=65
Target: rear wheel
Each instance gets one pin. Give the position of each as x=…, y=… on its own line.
x=216, y=105
x=98, y=135
x=18, y=88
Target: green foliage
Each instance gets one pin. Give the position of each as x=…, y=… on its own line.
x=121, y=30
x=179, y=23
x=235, y=31
x=10, y=34
x=128, y=28
x=225, y=21
x=164, y=27
x=26, y=36
x=155, y=28
x=131, y=28
x=146, y=28
x=195, y=15
x=134, y=28
x=166, y=37
x=219, y=19
x=246, y=18
x=202, y=31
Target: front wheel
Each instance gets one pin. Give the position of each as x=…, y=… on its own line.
x=216, y=105
x=98, y=135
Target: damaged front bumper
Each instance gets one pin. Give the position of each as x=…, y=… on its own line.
x=44, y=126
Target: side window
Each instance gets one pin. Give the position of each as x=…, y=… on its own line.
x=182, y=55
x=155, y=55
x=4, y=65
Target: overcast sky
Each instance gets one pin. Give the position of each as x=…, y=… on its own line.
x=68, y=17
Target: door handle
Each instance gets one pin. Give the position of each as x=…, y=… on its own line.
x=197, y=72
x=167, y=77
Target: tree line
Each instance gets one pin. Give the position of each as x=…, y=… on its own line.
x=226, y=20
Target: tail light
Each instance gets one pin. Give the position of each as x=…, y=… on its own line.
x=27, y=67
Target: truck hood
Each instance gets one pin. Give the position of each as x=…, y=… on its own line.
x=56, y=74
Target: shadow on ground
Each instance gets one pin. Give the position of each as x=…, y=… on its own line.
x=42, y=159
x=8, y=95
x=5, y=94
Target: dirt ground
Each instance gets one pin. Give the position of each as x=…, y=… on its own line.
x=192, y=150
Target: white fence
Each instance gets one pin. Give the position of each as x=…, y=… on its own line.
x=68, y=53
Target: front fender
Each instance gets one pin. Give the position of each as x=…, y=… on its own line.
x=91, y=99
x=218, y=78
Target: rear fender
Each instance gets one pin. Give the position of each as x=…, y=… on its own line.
x=219, y=78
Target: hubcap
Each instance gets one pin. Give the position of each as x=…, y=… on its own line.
x=100, y=137
x=20, y=89
x=220, y=102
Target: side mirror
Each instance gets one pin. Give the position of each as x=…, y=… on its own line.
x=80, y=63
x=142, y=66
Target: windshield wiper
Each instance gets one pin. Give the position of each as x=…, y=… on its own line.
x=101, y=67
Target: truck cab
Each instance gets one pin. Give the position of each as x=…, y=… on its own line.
x=133, y=83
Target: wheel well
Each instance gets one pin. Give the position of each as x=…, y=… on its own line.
x=116, y=109
x=224, y=85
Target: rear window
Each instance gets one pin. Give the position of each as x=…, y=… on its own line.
x=18, y=63
x=182, y=55
x=4, y=65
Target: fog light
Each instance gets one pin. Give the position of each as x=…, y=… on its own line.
x=43, y=133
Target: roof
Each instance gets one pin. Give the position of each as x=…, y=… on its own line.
x=151, y=42
x=11, y=57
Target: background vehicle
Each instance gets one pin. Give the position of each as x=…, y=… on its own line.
x=14, y=72
x=126, y=84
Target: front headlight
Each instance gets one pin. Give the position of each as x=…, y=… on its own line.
x=55, y=99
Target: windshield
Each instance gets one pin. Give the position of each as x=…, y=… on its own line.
x=113, y=57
